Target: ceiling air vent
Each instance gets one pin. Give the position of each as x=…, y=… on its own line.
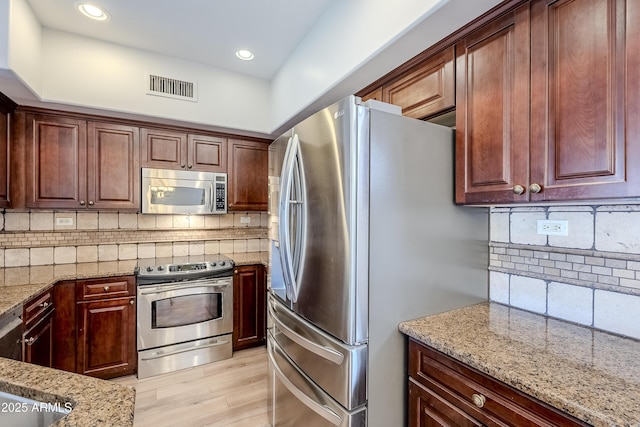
x=172, y=88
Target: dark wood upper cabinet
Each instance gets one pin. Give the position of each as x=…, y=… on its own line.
x=72, y=164
x=428, y=90
x=113, y=174
x=585, y=138
x=492, y=111
x=248, y=169
x=168, y=149
x=56, y=150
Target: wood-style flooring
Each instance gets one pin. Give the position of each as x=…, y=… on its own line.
x=231, y=392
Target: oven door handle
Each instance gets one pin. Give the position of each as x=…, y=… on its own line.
x=160, y=290
x=182, y=350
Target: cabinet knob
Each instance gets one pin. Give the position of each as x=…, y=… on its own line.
x=30, y=341
x=235, y=271
x=518, y=189
x=190, y=166
x=44, y=304
x=535, y=188
x=90, y=202
x=81, y=202
x=182, y=166
x=131, y=302
x=478, y=400
x=106, y=288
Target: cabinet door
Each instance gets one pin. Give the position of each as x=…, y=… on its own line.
x=37, y=343
x=584, y=99
x=113, y=158
x=374, y=94
x=492, y=111
x=64, y=337
x=207, y=153
x=106, y=345
x=428, y=90
x=427, y=409
x=249, y=304
x=56, y=162
x=163, y=149
x=248, y=166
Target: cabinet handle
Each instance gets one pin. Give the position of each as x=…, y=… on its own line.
x=190, y=166
x=30, y=341
x=90, y=202
x=235, y=271
x=182, y=166
x=131, y=302
x=81, y=202
x=478, y=400
x=518, y=189
x=535, y=188
x=106, y=289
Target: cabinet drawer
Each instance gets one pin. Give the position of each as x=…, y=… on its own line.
x=428, y=409
x=116, y=287
x=482, y=397
x=36, y=306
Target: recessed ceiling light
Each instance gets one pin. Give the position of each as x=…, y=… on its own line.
x=245, y=55
x=94, y=12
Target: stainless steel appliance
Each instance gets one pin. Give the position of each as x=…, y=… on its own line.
x=167, y=191
x=364, y=234
x=185, y=313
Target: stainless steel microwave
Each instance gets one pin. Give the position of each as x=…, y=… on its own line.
x=166, y=191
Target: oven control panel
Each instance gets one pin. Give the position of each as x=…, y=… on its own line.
x=156, y=273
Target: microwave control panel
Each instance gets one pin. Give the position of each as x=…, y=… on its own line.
x=220, y=202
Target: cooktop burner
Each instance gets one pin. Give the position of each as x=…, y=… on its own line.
x=159, y=270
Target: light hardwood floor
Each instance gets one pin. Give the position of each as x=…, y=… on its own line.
x=231, y=392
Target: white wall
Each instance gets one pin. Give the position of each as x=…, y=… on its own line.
x=4, y=34
x=25, y=48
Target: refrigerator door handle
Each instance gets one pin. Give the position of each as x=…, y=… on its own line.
x=283, y=215
x=322, y=351
x=319, y=409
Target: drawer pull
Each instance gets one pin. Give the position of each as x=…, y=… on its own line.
x=30, y=341
x=44, y=305
x=106, y=289
x=478, y=400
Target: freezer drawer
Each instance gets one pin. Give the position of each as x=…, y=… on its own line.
x=296, y=401
x=339, y=369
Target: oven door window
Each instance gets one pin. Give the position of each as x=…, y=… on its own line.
x=186, y=310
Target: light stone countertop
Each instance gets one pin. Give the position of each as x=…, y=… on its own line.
x=592, y=375
x=96, y=402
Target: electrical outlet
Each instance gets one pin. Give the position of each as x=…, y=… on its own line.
x=245, y=220
x=553, y=227
x=64, y=221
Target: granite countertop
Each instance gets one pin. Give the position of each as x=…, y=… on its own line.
x=592, y=375
x=96, y=402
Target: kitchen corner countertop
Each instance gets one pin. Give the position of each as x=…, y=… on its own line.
x=96, y=402
x=590, y=374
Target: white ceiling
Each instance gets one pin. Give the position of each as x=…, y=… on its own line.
x=204, y=31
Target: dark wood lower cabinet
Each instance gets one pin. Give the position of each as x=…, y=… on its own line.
x=106, y=345
x=96, y=326
x=37, y=342
x=249, y=306
x=445, y=392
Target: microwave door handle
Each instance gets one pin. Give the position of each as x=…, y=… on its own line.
x=212, y=202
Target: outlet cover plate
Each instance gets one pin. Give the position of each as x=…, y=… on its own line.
x=553, y=227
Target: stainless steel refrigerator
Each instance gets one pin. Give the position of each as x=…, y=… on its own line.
x=364, y=234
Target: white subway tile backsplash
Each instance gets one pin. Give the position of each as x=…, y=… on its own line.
x=127, y=220
x=146, y=221
x=41, y=221
x=107, y=252
x=87, y=253
x=499, y=287
x=196, y=248
x=16, y=221
x=164, y=250
x=523, y=227
x=616, y=313
x=618, y=232
x=64, y=255
x=239, y=246
x=253, y=245
x=264, y=245
x=41, y=256
x=180, y=221
x=2, y=257
x=580, y=234
x=87, y=220
x=528, y=293
x=164, y=221
x=66, y=217
x=226, y=246
x=107, y=220
x=196, y=221
x=212, y=221
x=146, y=250
x=226, y=221
x=127, y=251
x=212, y=247
x=180, y=249
x=255, y=220
x=568, y=302
x=16, y=257
x=499, y=226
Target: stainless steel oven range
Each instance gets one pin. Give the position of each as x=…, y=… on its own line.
x=185, y=313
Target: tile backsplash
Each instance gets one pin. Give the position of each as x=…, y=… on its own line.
x=48, y=237
x=590, y=277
